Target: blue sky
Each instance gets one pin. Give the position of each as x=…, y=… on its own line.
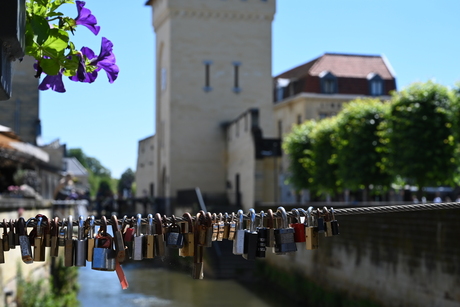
x=419, y=38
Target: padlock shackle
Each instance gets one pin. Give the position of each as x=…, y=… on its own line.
x=188, y=218
x=39, y=231
x=69, y=227
x=56, y=226
x=138, y=224
x=5, y=229
x=103, y=227
x=262, y=216
x=252, y=220
x=21, y=226
x=114, y=222
x=282, y=211
x=296, y=213
x=240, y=216
x=81, y=228
x=91, y=226
x=271, y=217
x=158, y=227
x=149, y=224
x=310, y=216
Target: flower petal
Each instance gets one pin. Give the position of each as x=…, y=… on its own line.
x=85, y=18
x=52, y=82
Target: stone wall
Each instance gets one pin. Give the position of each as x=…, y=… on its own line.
x=396, y=259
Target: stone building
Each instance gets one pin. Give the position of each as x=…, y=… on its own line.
x=219, y=118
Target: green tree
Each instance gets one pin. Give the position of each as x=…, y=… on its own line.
x=359, y=147
x=126, y=181
x=420, y=137
x=96, y=171
x=297, y=145
x=322, y=158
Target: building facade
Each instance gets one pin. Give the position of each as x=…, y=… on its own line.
x=220, y=115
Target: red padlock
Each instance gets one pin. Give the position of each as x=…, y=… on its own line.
x=299, y=235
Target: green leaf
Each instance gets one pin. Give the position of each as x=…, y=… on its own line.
x=41, y=29
x=56, y=42
x=50, y=66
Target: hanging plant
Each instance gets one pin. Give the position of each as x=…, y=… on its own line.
x=47, y=38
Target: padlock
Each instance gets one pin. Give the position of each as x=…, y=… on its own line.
x=118, y=239
x=16, y=236
x=311, y=231
x=160, y=250
x=299, y=228
x=284, y=236
x=226, y=226
x=62, y=233
x=198, y=267
x=12, y=236
x=262, y=233
x=188, y=250
x=271, y=230
x=81, y=244
x=250, y=237
x=2, y=254
x=39, y=243
x=6, y=243
x=104, y=256
x=138, y=242
x=238, y=242
x=221, y=228
x=334, y=224
x=54, y=248
x=174, y=237
x=209, y=230
x=204, y=229
x=327, y=222
x=149, y=248
x=91, y=222
x=232, y=228
x=69, y=248
x=320, y=221
x=128, y=235
x=215, y=227
x=47, y=231
x=24, y=243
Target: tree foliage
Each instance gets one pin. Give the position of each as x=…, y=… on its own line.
x=419, y=135
x=126, y=181
x=322, y=158
x=359, y=154
x=412, y=139
x=296, y=144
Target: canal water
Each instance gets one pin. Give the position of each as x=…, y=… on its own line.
x=161, y=287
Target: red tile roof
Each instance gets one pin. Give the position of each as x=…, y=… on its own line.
x=342, y=65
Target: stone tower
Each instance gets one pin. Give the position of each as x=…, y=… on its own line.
x=213, y=62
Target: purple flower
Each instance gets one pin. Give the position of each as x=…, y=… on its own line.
x=52, y=82
x=85, y=18
x=105, y=60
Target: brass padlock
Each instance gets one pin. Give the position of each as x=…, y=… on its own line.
x=221, y=228
x=311, y=231
x=149, y=251
x=188, y=250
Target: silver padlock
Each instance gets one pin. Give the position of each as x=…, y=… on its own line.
x=24, y=243
x=238, y=242
x=138, y=240
x=81, y=245
x=104, y=256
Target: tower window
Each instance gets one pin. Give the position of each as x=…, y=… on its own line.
x=236, y=81
x=207, y=79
